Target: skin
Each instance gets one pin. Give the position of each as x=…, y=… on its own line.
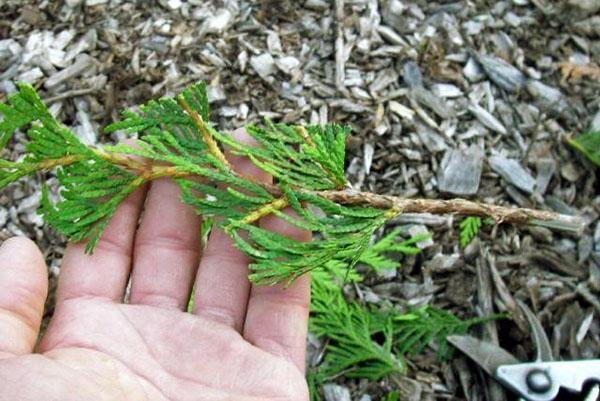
x=241, y=342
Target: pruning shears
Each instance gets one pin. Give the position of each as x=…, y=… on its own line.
x=539, y=380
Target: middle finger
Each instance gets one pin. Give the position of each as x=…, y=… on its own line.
x=167, y=249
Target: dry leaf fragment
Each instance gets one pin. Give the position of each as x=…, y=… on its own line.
x=572, y=72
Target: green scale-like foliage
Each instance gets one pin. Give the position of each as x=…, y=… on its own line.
x=345, y=235
x=165, y=117
x=352, y=349
x=588, y=144
x=23, y=107
x=311, y=157
x=175, y=139
x=92, y=187
x=469, y=228
x=363, y=342
x=377, y=257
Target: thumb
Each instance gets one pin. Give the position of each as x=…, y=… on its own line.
x=23, y=290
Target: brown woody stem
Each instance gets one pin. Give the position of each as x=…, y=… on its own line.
x=499, y=214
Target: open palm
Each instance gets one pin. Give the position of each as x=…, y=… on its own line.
x=239, y=343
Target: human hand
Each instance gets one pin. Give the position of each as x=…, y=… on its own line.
x=240, y=343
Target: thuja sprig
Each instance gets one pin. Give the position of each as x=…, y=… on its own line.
x=352, y=350
x=589, y=144
x=176, y=140
x=367, y=343
x=469, y=228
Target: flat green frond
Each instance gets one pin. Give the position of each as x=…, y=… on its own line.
x=337, y=273
x=309, y=158
x=166, y=115
x=351, y=350
x=50, y=145
x=197, y=98
x=165, y=112
x=329, y=149
x=589, y=145
x=469, y=228
x=277, y=258
x=92, y=188
x=210, y=201
x=11, y=172
x=161, y=146
x=52, y=141
x=22, y=108
x=88, y=205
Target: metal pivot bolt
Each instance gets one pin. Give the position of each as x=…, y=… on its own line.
x=538, y=381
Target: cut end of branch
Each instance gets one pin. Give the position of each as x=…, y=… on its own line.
x=563, y=223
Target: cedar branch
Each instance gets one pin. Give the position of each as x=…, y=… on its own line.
x=396, y=205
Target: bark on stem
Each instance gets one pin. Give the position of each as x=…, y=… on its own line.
x=499, y=214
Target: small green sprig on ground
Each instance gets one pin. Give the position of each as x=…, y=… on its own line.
x=393, y=396
x=588, y=144
x=469, y=228
x=429, y=325
x=352, y=349
x=366, y=343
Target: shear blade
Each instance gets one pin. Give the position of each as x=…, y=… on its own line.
x=542, y=344
x=485, y=354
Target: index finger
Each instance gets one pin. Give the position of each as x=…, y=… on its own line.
x=104, y=273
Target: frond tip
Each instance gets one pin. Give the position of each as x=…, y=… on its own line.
x=308, y=157
x=24, y=107
x=421, y=327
